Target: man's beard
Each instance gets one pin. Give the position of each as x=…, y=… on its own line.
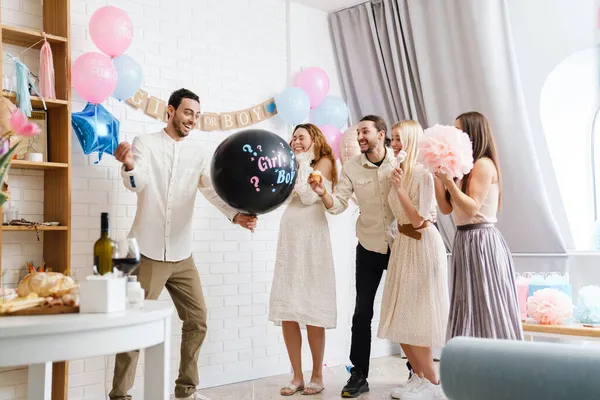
x=177, y=126
x=370, y=148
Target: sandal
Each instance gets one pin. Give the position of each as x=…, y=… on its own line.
x=315, y=387
x=290, y=390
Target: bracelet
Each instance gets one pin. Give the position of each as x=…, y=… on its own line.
x=324, y=193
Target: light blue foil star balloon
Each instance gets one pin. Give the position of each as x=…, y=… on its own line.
x=96, y=129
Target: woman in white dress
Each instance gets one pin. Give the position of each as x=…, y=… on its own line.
x=303, y=289
x=414, y=310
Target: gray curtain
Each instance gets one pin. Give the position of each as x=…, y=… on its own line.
x=432, y=60
x=377, y=79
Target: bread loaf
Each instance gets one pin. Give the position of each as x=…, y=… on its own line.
x=45, y=284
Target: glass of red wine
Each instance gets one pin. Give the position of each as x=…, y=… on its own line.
x=126, y=255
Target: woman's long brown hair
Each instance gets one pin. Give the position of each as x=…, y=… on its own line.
x=478, y=128
x=321, y=148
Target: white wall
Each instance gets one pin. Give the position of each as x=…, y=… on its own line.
x=545, y=33
x=233, y=54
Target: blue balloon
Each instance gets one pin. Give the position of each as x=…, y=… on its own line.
x=331, y=111
x=129, y=77
x=96, y=129
x=293, y=105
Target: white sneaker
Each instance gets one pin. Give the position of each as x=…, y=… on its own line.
x=425, y=390
x=413, y=381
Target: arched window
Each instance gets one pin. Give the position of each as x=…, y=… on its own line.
x=595, y=148
x=569, y=112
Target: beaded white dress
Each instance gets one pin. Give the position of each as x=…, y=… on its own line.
x=414, y=308
x=303, y=288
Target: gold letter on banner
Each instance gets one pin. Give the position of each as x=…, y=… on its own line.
x=257, y=113
x=156, y=107
x=138, y=99
x=270, y=107
x=228, y=121
x=243, y=118
x=210, y=122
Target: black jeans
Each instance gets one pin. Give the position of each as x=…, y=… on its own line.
x=369, y=269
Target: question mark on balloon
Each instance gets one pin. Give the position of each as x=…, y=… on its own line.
x=248, y=149
x=254, y=181
x=281, y=145
x=259, y=147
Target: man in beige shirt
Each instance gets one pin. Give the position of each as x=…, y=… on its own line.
x=367, y=175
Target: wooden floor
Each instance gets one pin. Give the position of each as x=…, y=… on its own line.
x=386, y=373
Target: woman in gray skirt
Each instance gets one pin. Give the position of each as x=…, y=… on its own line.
x=483, y=302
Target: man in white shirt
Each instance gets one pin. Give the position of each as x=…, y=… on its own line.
x=368, y=176
x=166, y=171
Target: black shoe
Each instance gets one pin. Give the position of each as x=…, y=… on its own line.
x=410, y=370
x=357, y=384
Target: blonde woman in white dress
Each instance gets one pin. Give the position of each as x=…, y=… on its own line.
x=414, y=310
x=303, y=289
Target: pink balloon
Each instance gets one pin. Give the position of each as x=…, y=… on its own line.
x=94, y=77
x=333, y=136
x=111, y=30
x=315, y=82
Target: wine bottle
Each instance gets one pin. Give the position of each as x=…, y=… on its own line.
x=103, y=248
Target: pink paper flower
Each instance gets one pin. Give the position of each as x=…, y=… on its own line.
x=549, y=307
x=447, y=150
x=21, y=126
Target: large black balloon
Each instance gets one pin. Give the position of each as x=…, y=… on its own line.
x=254, y=171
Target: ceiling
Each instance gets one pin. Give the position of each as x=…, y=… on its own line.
x=329, y=5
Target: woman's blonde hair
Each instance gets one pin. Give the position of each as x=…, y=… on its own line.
x=410, y=131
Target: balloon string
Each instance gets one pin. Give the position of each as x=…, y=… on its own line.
x=122, y=115
x=96, y=128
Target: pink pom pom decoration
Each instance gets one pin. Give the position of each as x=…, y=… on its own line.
x=21, y=126
x=446, y=150
x=550, y=307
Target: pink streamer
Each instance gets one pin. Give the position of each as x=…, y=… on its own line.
x=47, y=71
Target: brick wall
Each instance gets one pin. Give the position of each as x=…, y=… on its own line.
x=233, y=54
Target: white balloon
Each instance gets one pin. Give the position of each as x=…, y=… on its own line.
x=349, y=144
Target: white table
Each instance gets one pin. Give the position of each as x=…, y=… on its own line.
x=37, y=341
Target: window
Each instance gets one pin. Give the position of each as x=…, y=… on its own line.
x=595, y=149
x=569, y=106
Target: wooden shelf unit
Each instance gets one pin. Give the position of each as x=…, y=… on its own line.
x=35, y=165
x=42, y=228
x=57, y=171
x=37, y=102
x=27, y=37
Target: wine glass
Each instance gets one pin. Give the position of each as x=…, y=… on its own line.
x=126, y=255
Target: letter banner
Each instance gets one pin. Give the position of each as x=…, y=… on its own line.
x=157, y=108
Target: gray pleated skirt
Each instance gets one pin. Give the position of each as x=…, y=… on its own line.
x=484, y=301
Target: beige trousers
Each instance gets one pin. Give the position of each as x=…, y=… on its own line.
x=183, y=283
